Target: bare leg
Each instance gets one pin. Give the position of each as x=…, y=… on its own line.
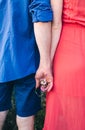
x=2, y=118
x=25, y=123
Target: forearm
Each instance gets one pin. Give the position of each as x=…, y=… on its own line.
x=56, y=31
x=42, y=16
x=56, y=24
x=43, y=40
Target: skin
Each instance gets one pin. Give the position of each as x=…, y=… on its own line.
x=2, y=118
x=43, y=38
x=48, y=43
x=56, y=24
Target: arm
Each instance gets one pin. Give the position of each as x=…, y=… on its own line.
x=56, y=24
x=42, y=17
x=43, y=38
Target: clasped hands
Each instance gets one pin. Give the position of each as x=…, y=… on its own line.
x=44, y=78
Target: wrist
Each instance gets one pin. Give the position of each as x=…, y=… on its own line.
x=45, y=61
x=45, y=65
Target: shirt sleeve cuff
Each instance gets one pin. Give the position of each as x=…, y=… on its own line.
x=42, y=16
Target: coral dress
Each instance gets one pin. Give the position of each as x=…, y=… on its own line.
x=65, y=104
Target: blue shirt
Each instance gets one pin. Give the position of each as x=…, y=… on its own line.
x=19, y=55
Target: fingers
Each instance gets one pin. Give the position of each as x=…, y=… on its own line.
x=38, y=76
x=44, y=88
x=50, y=86
x=44, y=79
x=37, y=82
x=46, y=85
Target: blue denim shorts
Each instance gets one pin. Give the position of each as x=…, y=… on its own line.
x=26, y=101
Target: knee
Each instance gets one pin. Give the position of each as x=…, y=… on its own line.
x=3, y=115
x=25, y=123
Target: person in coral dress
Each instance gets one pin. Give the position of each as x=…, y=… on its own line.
x=65, y=103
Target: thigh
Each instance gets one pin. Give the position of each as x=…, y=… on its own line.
x=5, y=96
x=27, y=102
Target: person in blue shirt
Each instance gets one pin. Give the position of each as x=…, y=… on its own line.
x=25, y=41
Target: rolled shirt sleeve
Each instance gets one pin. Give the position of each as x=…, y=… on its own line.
x=41, y=11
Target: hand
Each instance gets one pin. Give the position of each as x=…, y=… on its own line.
x=45, y=85
x=44, y=73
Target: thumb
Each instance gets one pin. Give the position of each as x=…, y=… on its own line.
x=37, y=83
x=50, y=86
